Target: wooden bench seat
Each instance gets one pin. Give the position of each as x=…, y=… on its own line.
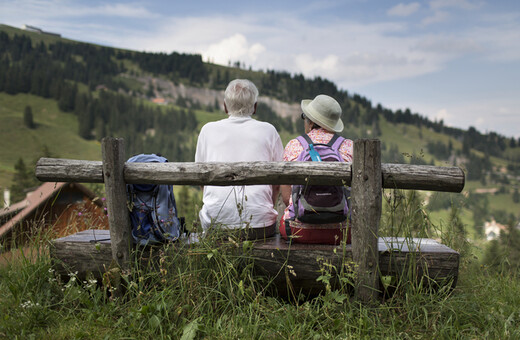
x=90, y=252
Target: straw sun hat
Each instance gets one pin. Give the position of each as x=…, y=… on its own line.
x=324, y=111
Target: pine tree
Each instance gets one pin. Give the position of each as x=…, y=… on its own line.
x=28, y=118
x=455, y=237
x=23, y=179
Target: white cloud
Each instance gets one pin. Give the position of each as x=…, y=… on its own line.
x=485, y=114
x=448, y=45
x=315, y=66
x=233, y=48
x=436, y=17
x=480, y=123
x=62, y=10
x=442, y=115
x=404, y=10
x=115, y=10
x=462, y=4
x=440, y=9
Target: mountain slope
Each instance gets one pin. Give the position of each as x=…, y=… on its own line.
x=81, y=92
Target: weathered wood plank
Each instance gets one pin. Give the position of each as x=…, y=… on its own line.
x=425, y=177
x=399, y=176
x=69, y=170
x=366, y=214
x=115, y=191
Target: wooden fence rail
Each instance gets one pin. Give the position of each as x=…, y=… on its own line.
x=396, y=176
x=366, y=175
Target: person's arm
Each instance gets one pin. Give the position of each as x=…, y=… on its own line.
x=277, y=156
x=200, y=155
x=286, y=193
x=276, y=191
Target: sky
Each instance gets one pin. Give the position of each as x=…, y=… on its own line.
x=455, y=60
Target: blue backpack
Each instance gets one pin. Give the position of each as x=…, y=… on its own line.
x=319, y=204
x=153, y=212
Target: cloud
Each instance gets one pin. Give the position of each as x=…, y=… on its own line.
x=233, y=48
x=446, y=45
x=484, y=114
x=436, y=17
x=51, y=9
x=115, y=10
x=441, y=9
x=404, y=10
x=461, y=4
x=315, y=66
x=442, y=115
x=480, y=122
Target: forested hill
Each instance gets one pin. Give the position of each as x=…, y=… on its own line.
x=153, y=100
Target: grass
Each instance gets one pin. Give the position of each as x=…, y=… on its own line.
x=55, y=129
x=208, y=291
x=212, y=294
x=504, y=202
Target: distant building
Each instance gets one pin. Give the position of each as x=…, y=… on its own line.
x=39, y=30
x=58, y=208
x=32, y=29
x=159, y=100
x=492, y=230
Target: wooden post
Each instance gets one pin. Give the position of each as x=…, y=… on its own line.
x=366, y=198
x=113, y=152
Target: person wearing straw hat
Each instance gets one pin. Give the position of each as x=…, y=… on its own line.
x=322, y=121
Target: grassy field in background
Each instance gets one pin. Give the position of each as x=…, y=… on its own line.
x=54, y=129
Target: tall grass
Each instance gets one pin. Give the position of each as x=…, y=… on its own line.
x=208, y=290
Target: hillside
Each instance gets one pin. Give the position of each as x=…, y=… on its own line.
x=78, y=93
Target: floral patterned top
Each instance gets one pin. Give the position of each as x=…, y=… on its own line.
x=293, y=150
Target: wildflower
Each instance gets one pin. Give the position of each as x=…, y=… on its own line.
x=103, y=199
x=29, y=304
x=79, y=214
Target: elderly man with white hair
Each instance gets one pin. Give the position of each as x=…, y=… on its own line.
x=240, y=138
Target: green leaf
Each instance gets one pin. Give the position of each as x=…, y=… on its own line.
x=190, y=330
x=155, y=322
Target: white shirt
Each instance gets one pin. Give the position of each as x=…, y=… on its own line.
x=238, y=139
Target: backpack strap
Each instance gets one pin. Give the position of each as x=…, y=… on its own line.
x=305, y=141
x=335, y=142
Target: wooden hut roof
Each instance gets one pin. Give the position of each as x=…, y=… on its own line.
x=37, y=198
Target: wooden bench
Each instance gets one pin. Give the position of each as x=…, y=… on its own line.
x=89, y=253
x=373, y=256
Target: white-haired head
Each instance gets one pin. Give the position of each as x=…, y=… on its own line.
x=240, y=98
